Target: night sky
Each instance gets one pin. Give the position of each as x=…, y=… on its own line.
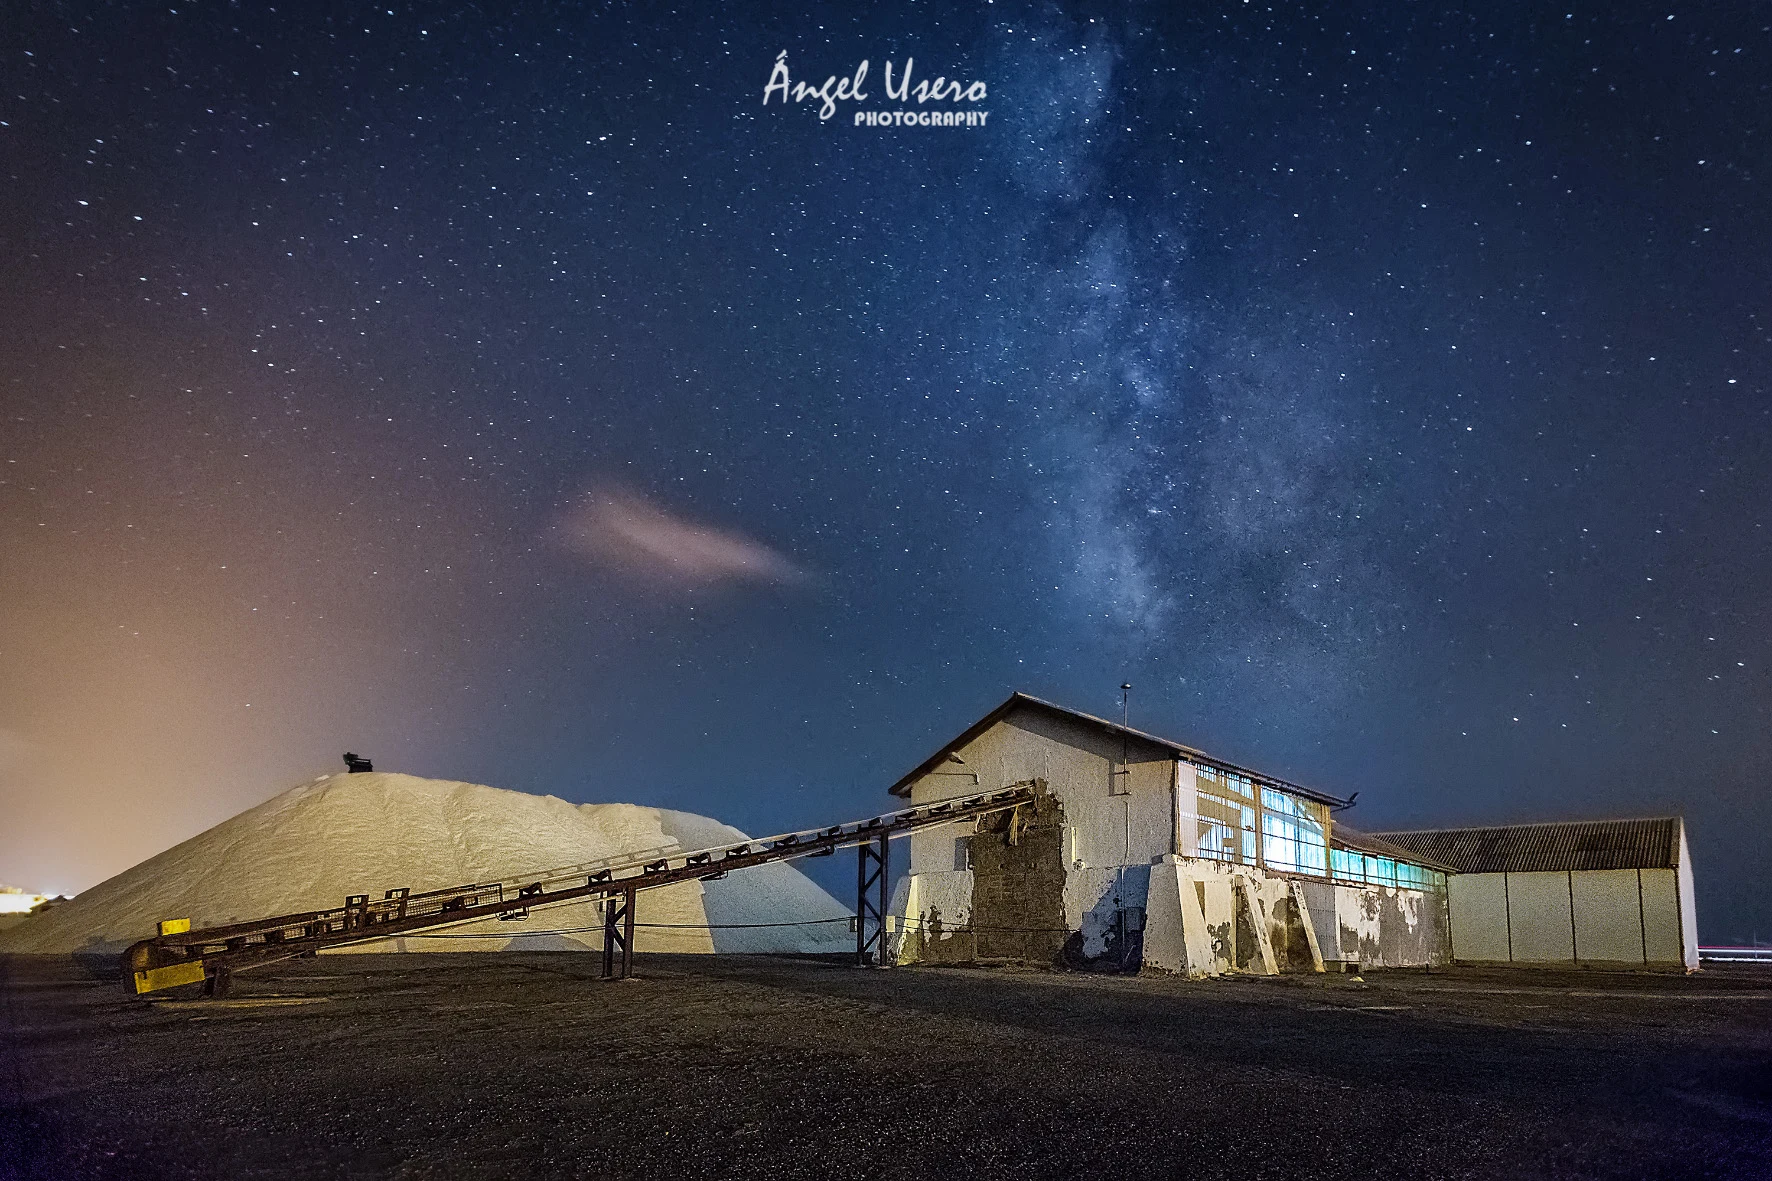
x=1383, y=392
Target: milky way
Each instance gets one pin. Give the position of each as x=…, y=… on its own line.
x=521, y=400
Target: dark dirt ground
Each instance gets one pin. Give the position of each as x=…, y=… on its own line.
x=525, y=1065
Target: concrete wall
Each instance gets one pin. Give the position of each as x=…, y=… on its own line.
x=1389, y=927
x=1610, y=917
x=1207, y=918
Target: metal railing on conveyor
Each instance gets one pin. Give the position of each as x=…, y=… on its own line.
x=178, y=955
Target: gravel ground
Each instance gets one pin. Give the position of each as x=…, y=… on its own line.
x=525, y=1065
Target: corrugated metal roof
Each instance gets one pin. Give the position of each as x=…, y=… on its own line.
x=1026, y=701
x=1534, y=848
x=1343, y=837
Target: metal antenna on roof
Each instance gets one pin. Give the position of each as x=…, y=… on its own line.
x=1125, y=784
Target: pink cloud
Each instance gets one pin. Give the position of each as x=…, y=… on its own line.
x=626, y=533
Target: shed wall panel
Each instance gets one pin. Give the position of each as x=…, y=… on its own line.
x=1688, y=905
x=1608, y=926
x=1661, y=915
x=1478, y=903
x=1538, y=909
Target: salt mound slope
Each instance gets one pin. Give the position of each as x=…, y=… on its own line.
x=310, y=847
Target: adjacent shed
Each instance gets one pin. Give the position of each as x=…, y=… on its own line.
x=1606, y=893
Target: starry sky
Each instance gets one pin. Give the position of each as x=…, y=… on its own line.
x=1380, y=389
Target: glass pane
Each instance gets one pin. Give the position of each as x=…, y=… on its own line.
x=1292, y=833
x=1224, y=822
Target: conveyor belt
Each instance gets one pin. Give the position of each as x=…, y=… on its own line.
x=212, y=955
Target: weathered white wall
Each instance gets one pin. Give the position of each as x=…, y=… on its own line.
x=1386, y=927
x=1119, y=815
x=1121, y=842
x=1206, y=918
x=1320, y=898
x=931, y=908
x=1355, y=923
x=1119, y=819
x=1093, y=895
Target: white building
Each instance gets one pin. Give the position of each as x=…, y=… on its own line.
x=1614, y=893
x=1142, y=851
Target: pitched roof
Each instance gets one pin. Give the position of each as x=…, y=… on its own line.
x=1024, y=701
x=1532, y=848
x=1343, y=837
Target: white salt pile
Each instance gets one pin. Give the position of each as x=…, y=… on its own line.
x=310, y=847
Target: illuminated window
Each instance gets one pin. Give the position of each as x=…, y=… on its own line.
x=1365, y=870
x=1292, y=833
x=1224, y=810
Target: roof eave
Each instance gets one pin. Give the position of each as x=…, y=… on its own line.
x=902, y=788
x=1375, y=846
x=1311, y=793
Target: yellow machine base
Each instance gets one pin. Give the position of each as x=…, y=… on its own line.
x=170, y=976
